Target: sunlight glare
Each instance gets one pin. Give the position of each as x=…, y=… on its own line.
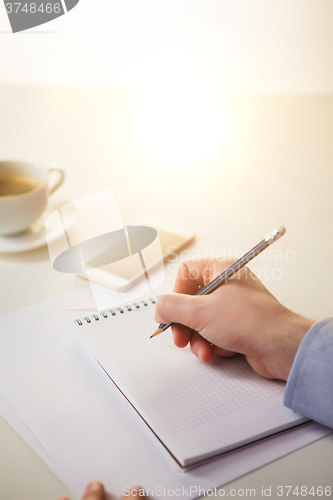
x=180, y=124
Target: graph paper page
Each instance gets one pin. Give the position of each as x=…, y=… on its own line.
x=198, y=410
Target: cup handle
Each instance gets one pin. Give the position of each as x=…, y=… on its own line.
x=58, y=182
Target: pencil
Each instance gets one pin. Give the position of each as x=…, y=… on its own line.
x=231, y=270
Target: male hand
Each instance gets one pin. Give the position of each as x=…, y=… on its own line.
x=96, y=491
x=241, y=316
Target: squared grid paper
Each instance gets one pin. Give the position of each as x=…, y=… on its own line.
x=170, y=387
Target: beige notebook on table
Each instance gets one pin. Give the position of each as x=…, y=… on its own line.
x=198, y=411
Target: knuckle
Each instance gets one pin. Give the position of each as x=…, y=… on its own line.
x=194, y=313
x=160, y=307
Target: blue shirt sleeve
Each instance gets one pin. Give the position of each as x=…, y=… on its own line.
x=309, y=389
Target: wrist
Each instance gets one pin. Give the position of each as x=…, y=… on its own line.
x=289, y=335
x=296, y=329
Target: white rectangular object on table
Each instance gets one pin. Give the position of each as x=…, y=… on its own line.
x=124, y=273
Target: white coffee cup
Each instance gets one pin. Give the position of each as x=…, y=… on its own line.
x=24, y=191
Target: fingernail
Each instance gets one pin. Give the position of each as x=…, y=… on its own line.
x=94, y=486
x=200, y=354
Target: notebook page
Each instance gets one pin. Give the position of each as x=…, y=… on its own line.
x=197, y=410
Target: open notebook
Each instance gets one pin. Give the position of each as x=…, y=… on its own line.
x=198, y=411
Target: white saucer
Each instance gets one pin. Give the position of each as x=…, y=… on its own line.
x=35, y=236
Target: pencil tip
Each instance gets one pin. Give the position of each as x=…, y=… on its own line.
x=157, y=332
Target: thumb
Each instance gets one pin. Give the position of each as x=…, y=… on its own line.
x=180, y=308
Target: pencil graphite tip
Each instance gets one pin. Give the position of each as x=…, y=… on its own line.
x=157, y=332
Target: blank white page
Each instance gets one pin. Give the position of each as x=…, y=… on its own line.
x=198, y=410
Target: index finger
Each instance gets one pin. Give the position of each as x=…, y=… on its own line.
x=194, y=274
x=186, y=282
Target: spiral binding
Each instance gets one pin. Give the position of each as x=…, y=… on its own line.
x=120, y=310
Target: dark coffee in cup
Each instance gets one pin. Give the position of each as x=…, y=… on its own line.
x=11, y=185
x=24, y=191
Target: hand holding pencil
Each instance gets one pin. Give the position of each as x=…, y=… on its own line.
x=239, y=317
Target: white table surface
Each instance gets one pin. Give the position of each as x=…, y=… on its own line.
x=273, y=166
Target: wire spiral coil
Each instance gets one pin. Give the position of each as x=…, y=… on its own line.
x=119, y=310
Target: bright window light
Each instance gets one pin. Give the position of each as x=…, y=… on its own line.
x=180, y=124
